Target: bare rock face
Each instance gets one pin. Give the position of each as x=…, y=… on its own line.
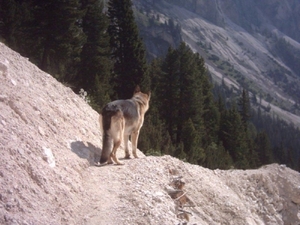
x=282, y=14
x=50, y=138
x=242, y=42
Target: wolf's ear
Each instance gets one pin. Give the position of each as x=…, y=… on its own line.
x=137, y=89
x=149, y=94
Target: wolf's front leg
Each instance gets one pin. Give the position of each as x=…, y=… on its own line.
x=134, y=140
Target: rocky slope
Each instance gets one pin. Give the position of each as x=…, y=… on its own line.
x=250, y=44
x=50, y=138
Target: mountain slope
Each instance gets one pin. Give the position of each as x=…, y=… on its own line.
x=245, y=43
x=50, y=138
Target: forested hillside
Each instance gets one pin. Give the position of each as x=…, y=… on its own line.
x=101, y=52
x=253, y=44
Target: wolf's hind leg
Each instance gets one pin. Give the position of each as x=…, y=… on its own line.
x=127, y=154
x=114, y=152
x=110, y=161
x=134, y=140
x=117, y=131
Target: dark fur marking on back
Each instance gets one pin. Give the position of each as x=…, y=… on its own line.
x=127, y=107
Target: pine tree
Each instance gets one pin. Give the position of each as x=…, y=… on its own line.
x=168, y=92
x=263, y=148
x=190, y=96
x=14, y=16
x=94, y=72
x=217, y=157
x=100, y=95
x=179, y=151
x=56, y=36
x=155, y=71
x=9, y=21
x=211, y=114
x=234, y=139
x=128, y=53
x=245, y=112
x=251, y=134
x=245, y=108
x=192, y=143
x=153, y=137
x=180, y=93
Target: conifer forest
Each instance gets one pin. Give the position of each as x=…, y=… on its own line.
x=95, y=47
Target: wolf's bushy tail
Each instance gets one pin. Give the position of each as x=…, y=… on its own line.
x=106, y=139
x=106, y=147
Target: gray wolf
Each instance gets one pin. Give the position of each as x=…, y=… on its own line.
x=121, y=119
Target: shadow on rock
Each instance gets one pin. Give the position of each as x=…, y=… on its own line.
x=89, y=151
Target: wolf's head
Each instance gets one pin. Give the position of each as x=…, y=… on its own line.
x=142, y=98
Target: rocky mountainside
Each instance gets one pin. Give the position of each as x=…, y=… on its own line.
x=250, y=44
x=50, y=139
